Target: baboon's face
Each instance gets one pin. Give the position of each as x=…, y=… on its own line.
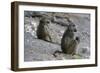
x=45, y=21
x=72, y=28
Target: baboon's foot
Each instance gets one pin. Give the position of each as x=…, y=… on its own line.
x=57, y=52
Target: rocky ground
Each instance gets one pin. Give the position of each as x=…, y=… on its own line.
x=40, y=50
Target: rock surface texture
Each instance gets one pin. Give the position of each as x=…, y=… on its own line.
x=43, y=32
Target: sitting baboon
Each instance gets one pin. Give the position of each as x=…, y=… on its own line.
x=42, y=29
x=69, y=42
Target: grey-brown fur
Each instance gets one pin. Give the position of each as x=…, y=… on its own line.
x=42, y=32
x=69, y=42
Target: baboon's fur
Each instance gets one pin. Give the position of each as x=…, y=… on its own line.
x=42, y=32
x=69, y=42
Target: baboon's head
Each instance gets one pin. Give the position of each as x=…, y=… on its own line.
x=72, y=28
x=45, y=21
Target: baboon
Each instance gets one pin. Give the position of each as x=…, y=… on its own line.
x=69, y=42
x=42, y=29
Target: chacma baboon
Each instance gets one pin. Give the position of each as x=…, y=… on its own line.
x=42, y=29
x=69, y=42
